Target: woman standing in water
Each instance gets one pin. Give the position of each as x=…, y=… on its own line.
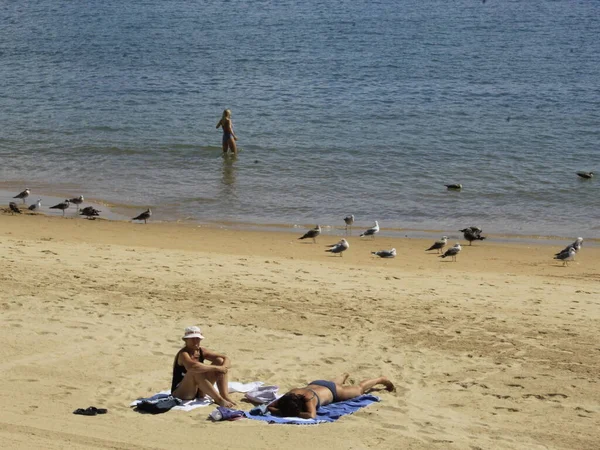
x=229, y=136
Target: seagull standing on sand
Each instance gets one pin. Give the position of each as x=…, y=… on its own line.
x=14, y=208
x=576, y=245
x=312, y=234
x=77, y=201
x=23, y=195
x=144, y=216
x=385, y=253
x=349, y=221
x=340, y=247
x=62, y=205
x=371, y=231
x=90, y=212
x=472, y=234
x=439, y=245
x=453, y=251
x=566, y=257
x=36, y=206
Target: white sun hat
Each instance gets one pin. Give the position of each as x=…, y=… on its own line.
x=192, y=332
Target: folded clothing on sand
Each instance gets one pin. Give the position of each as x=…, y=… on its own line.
x=328, y=413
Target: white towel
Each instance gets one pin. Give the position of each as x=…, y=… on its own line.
x=188, y=405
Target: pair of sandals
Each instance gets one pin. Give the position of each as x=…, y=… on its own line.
x=91, y=411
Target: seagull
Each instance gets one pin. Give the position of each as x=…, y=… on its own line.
x=62, y=205
x=312, y=234
x=586, y=175
x=14, y=208
x=454, y=187
x=90, y=212
x=77, y=201
x=472, y=234
x=371, y=231
x=144, y=216
x=349, y=221
x=576, y=245
x=385, y=253
x=439, y=245
x=23, y=195
x=37, y=205
x=453, y=251
x=340, y=247
x=566, y=257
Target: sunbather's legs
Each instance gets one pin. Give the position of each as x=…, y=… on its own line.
x=192, y=382
x=348, y=392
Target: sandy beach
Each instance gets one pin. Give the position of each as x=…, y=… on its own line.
x=498, y=350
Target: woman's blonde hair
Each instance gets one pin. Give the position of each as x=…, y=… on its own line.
x=226, y=114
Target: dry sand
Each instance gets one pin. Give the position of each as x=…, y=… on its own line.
x=498, y=350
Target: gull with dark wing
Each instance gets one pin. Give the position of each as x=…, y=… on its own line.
x=77, y=201
x=439, y=245
x=566, y=257
x=371, y=231
x=144, y=216
x=14, y=209
x=454, y=187
x=23, y=195
x=62, y=205
x=36, y=206
x=472, y=234
x=385, y=253
x=340, y=247
x=586, y=175
x=349, y=220
x=576, y=245
x=452, y=251
x=312, y=234
x=89, y=212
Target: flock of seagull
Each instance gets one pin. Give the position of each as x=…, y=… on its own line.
x=89, y=211
x=471, y=234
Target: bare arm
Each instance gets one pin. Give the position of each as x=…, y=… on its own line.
x=216, y=358
x=195, y=366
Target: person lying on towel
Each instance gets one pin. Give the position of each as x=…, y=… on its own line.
x=304, y=402
x=193, y=378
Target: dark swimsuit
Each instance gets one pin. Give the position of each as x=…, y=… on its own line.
x=179, y=371
x=329, y=385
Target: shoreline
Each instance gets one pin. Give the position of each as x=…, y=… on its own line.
x=120, y=213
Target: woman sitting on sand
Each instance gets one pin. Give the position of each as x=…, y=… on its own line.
x=193, y=378
x=304, y=402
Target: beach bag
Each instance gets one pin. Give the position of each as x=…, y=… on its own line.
x=159, y=405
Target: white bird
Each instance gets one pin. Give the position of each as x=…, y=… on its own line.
x=371, y=231
x=349, y=220
x=144, y=216
x=312, y=234
x=385, y=253
x=340, y=247
x=566, y=257
x=62, y=205
x=77, y=201
x=439, y=245
x=453, y=251
x=37, y=205
x=576, y=245
x=23, y=195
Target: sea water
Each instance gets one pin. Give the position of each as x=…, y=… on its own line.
x=341, y=107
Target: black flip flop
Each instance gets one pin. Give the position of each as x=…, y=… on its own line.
x=91, y=411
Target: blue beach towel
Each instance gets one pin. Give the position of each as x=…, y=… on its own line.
x=328, y=413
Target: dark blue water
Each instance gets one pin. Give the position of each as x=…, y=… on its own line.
x=340, y=107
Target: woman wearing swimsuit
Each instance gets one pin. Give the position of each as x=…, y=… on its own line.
x=304, y=402
x=229, y=136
